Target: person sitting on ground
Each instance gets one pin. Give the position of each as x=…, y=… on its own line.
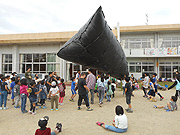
x=171, y=106
x=121, y=122
x=42, y=123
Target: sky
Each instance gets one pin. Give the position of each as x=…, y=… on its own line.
x=37, y=16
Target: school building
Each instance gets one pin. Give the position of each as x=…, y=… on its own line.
x=148, y=48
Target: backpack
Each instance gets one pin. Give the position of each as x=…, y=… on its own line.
x=61, y=87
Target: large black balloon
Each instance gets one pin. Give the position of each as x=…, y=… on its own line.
x=95, y=46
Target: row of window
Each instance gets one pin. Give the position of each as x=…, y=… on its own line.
x=165, y=42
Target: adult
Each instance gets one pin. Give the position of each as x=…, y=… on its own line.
x=82, y=91
x=91, y=83
x=28, y=76
x=145, y=84
x=78, y=75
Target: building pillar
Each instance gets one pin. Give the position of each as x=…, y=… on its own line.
x=61, y=67
x=15, y=58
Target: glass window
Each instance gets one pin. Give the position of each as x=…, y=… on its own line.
x=42, y=57
x=132, y=68
x=138, y=69
x=51, y=57
x=35, y=57
x=168, y=68
x=7, y=63
x=35, y=67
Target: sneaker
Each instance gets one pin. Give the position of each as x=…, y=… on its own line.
x=36, y=109
x=51, y=109
x=5, y=108
x=70, y=99
x=89, y=109
x=39, y=107
x=1, y=108
x=155, y=106
x=79, y=108
x=62, y=103
x=30, y=111
x=13, y=103
x=44, y=107
x=151, y=99
x=100, y=105
x=59, y=103
x=154, y=100
x=57, y=109
x=18, y=107
x=161, y=98
x=130, y=111
x=25, y=111
x=168, y=110
x=33, y=113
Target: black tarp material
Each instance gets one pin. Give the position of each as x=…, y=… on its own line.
x=95, y=46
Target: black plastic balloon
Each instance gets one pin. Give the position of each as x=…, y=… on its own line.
x=95, y=46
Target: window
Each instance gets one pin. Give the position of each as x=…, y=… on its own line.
x=166, y=42
x=40, y=63
x=6, y=63
x=135, y=43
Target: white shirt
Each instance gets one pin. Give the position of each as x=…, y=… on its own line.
x=121, y=121
x=123, y=83
x=54, y=90
x=146, y=82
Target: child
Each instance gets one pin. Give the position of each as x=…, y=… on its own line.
x=3, y=93
x=171, y=106
x=82, y=87
x=101, y=89
x=155, y=86
x=43, y=94
x=113, y=85
x=24, y=94
x=62, y=88
x=12, y=89
x=128, y=92
x=121, y=123
x=136, y=85
x=53, y=93
x=123, y=85
x=17, y=93
x=109, y=92
x=152, y=91
x=33, y=97
x=73, y=84
x=177, y=84
x=42, y=123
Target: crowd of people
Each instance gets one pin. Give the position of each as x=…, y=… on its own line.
x=52, y=88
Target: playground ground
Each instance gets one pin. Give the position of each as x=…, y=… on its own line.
x=145, y=120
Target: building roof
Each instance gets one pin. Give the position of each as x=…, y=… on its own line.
x=65, y=36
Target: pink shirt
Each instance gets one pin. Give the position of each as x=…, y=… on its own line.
x=23, y=89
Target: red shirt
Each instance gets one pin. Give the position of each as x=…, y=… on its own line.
x=47, y=131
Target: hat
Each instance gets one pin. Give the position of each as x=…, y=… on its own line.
x=43, y=121
x=53, y=83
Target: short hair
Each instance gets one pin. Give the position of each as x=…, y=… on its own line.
x=46, y=76
x=42, y=82
x=151, y=79
x=50, y=73
x=127, y=79
x=174, y=98
x=1, y=75
x=62, y=80
x=3, y=78
x=16, y=81
x=13, y=79
x=42, y=123
x=109, y=82
x=90, y=70
x=72, y=78
x=119, y=110
x=7, y=76
x=32, y=83
x=24, y=81
x=82, y=74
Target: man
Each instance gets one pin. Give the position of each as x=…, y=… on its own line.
x=91, y=83
x=28, y=76
x=145, y=84
x=82, y=87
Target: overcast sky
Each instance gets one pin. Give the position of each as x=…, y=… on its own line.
x=36, y=16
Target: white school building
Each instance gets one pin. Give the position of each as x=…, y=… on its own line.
x=148, y=48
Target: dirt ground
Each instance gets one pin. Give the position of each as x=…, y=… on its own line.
x=145, y=120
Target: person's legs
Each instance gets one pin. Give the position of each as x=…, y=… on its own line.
x=112, y=128
x=52, y=102
x=86, y=100
x=79, y=101
x=123, y=91
x=22, y=102
x=56, y=101
x=169, y=106
x=5, y=98
x=92, y=96
x=176, y=95
x=16, y=101
x=99, y=91
x=2, y=98
x=102, y=95
x=61, y=99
